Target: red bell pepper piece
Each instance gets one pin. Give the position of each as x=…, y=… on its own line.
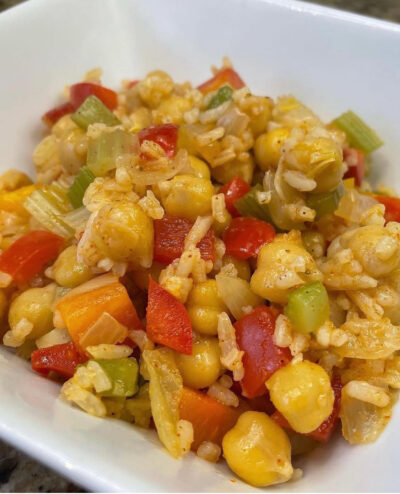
x=245, y=236
x=254, y=335
x=169, y=237
x=355, y=161
x=133, y=83
x=27, y=255
x=82, y=90
x=222, y=77
x=233, y=191
x=167, y=320
x=392, y=207
x=63, y=359
x=325, y=430
x=165, y=135
x=54, y=115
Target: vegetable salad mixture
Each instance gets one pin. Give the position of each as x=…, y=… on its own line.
x=209, y=263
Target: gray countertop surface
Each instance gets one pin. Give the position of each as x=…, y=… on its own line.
x=18, y=472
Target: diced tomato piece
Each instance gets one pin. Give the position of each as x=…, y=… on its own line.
x=233, y=191
x=168, y=322
x=224, y=76
x=255, y=336
x=325, y=430
x=392, y=207
x=82, y=90
x=63, y=359
x=27, y=255
x=165, y=136
x=169, y=237
x=245, y=236
x=54, y=115
x=355, y=161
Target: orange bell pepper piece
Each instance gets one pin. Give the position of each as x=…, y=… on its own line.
x=211, y=420
x=222, y=77
x=79, y=312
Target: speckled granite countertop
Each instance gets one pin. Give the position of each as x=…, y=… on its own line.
x=18, y=472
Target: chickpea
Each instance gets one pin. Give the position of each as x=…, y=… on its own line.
x=203, y=367
x=303, y=394
x=267, y=148
x=258, y=450
x=156, y=86
x=140, y=119
x=225, y=173
x=141, y=276
x=124, y=233
x=283, y=265
x=67, y=271
x=259, y=122
x=319, y=158
x=71, y=158
x=241, y=265
x=187, y=196
x=171, y=110
x=199, y=167
x=204, y=305
x=65, y=124
x=35, y=306
x=376, y=248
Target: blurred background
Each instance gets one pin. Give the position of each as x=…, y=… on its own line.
x=19, y=473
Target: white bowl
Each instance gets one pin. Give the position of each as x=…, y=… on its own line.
x=331, y=60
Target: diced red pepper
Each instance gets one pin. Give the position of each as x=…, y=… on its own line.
x=233, y=191
x=27, y=255
x=169, y=237
x=133, y=83
x=82, y=90
x=325, y=430
x=165, y=135
x=54, y=115
x=255, y=336
x=355, y=161
x=63, y=359
x=245, y=236
x=224, y=76
x=168, y=322
x=392, y=207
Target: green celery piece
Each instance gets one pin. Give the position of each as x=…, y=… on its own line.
x=77, y=190
x=359, y=134
x=140, y=407
x=47, y=205
x=93, y=111
x=104, y=151
x=123, y=374
x=326, y=202
x=249, y=206
x=223, y=94
x=308, y=307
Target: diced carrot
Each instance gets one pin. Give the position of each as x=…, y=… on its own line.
x=224, y=76
x=211, y=420
x=81, y=311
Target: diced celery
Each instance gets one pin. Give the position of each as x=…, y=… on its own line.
x=326, y=202
x=103, y=152
x=77, y=218
x=77, y=190
x=140, y=407
x=359, y=134
x=249, y=206
x=47, y=205
x=223, y=94
x=308, y=307
x=93, y=111
x=123, y=374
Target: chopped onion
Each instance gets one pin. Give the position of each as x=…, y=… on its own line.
x=150, y=173
x=54, y=337
x=237, y=294
x=105, y=330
